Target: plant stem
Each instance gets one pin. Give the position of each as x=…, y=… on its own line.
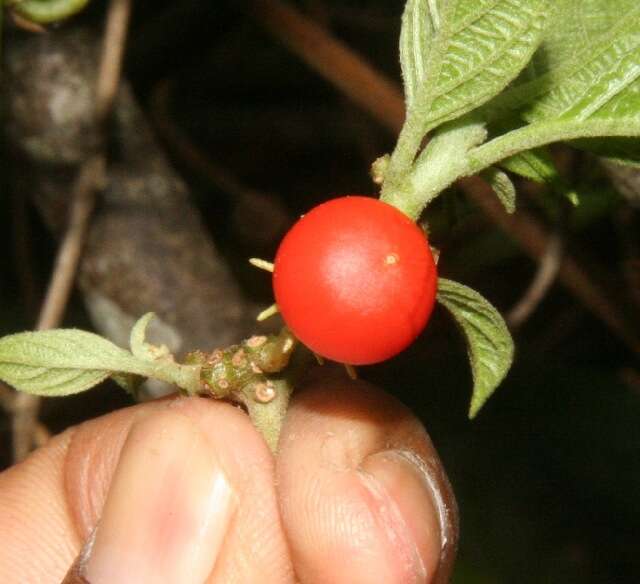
x=268, y=418
x=541, y=133
x=440, y=163
x=89, y=179
x=394, y=187
x=423, y=186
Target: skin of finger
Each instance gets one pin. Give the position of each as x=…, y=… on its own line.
x=49, y=505
x=254, y=544
x=331, y=428
x=38, y=539
x=39, y=524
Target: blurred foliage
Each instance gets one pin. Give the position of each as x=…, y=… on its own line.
x=548, y=475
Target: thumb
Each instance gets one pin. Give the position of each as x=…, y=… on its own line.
x=361, y=483
x=157, y=490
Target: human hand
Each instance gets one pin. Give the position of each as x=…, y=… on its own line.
x=185, y=491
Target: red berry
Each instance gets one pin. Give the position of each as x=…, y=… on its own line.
x=355, y=280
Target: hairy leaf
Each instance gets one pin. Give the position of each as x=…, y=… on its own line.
x=573, y=25
x=456, y=55
x=489, y=343
x=535, y=165
x=139, y=346
x=62, y=362
x=420, y=25
x=605, y=86
x=588, y=68
x=502, y=187
x=49, y=382
x=65, y=361
x=161, y=360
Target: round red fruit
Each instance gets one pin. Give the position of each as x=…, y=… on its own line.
x=355, y=280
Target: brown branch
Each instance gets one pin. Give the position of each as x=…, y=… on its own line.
x=373, y=92
x=115, y=36
x=90, y=178
x=333, y=60
x=544, y=278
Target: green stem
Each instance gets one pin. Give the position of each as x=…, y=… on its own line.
x=401, y=161
x=452, y=153
x=426, y=182
x=541, y=133
x=438, y=166
x=269, y=417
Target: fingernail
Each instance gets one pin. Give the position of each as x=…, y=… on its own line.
x=167, y=511
x=419, y=518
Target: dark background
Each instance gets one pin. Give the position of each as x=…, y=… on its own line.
x=548, y=475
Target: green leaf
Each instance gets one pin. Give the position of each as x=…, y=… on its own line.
x=65, y=361
x=420, y=25
x=49, y=382
x=46, y=11
x=502, y=187
x=456, y=55
x=588, y=69
x=489, y=343
x=161, y=360
x=573, y=25
x=535, y=165
x=62, y=362
x=578, y=35
x=139, y=346
x=603, y=80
